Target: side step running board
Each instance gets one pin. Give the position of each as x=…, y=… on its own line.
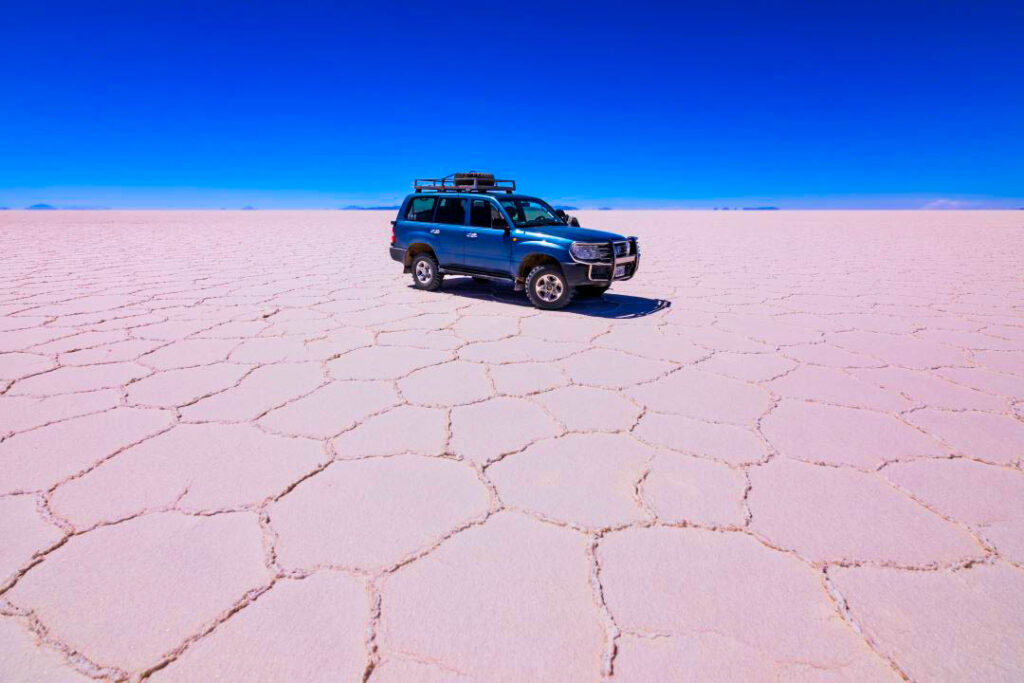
x=468, y=273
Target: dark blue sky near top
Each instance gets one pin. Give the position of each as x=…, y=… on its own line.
x=207, y=104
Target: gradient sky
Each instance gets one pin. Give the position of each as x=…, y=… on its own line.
x=310, y=104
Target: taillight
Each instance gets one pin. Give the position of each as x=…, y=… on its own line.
x=392, y=232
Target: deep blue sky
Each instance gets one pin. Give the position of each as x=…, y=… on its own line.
x=167, y=104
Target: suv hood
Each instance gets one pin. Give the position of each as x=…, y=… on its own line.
x=571, y=234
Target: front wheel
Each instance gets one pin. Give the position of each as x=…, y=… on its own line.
x=547, y=288
x=425, y=273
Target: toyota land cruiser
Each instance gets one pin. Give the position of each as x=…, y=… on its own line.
x=475, y=225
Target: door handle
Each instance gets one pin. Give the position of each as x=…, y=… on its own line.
x=471, y=234
x=435, y=231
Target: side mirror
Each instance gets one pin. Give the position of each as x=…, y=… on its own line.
x=562, y=214
x=499, y=223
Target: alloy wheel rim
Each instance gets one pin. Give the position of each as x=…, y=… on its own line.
x=423, y=272
x=549, y=288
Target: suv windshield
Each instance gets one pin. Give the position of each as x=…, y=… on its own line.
x=526, y=211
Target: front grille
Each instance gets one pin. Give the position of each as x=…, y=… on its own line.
x=621, y=249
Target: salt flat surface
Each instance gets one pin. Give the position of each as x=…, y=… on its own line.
x=239, y=446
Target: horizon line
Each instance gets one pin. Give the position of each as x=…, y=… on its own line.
x=741, y=209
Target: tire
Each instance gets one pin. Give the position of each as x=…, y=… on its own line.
x=547, y=288
x=425, y=272
x=591, y=291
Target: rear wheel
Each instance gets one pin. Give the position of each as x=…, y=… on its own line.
x=547, y=288
x=425, y=272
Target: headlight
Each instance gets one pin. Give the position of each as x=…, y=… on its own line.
x=585, y=252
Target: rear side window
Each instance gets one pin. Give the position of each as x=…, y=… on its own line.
x=451, y=210
x=421, y=209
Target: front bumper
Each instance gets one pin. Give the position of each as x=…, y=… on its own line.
x=578, y=273
x=602, y=271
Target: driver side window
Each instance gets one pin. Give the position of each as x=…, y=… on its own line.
x=513, y=210
x=532, y=211
x=482, y=213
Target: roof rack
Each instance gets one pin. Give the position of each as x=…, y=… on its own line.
x=464, y=182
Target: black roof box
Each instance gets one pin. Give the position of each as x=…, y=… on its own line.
x=473, y=179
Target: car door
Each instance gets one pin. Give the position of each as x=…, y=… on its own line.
x=450, y=228
x=487, y=248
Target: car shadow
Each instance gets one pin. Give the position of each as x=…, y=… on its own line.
x=608, y=305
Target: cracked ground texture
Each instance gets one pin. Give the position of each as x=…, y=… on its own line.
x=240, y=447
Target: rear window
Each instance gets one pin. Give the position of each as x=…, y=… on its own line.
x=451, y=210
x=421, y=209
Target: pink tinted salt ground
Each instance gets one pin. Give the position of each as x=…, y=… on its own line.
x=238, y=446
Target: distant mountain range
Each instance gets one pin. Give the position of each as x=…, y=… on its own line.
x=51, y=207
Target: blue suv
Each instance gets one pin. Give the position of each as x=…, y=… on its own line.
x=473, y=224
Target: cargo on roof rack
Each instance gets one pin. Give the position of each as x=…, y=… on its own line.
x=464, y=182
